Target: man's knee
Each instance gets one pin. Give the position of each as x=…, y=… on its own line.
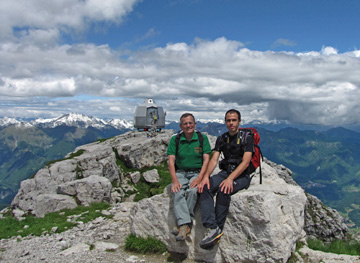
x=192, y=191
x=222, y=198
x=179, y=195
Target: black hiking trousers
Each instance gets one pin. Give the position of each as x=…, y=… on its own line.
x=215, y=215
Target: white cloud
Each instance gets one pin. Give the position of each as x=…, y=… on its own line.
x=41, y=78
x=30, y=15
x=207, y=77
x=327, y=51
x=33, y=87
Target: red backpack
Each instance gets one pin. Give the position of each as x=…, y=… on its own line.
x=255, y=160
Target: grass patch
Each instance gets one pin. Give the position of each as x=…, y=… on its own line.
x=351, y=247
x=293, y=258
x=31, y=225
x=72, y=155
x=143, y=188
x=103, y=139
x=144, y=245
x=146, y=189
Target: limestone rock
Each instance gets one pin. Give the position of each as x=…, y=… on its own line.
x=18, y=214
x=319, y=256
x=96, y=159
x=106, y=246
x=265, y=221
x=47, y=203
x=139, y=150
x=75, y=249
x=88, y=190
x=135, y=177
x=151, y=176
x=322, y=222
x=45, y=181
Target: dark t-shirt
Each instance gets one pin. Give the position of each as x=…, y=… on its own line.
x=233, y=148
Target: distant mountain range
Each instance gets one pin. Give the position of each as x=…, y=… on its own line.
x=325, y=161
x=71, y=119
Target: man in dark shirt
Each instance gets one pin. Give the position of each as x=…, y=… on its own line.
x=237, y=149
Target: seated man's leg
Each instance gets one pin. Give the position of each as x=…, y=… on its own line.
x=223, y=200
x=191, y=195
x=222, y=207
x=207, y=201
x=180, y=205
x=208, y=216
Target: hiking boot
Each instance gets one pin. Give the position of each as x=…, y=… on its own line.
x=212, y=237
x=175, y=231
x=184, y=231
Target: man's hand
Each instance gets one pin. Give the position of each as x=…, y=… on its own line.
x=226, y=186
x=175, y=187
x=204, y=181
x=194, y=183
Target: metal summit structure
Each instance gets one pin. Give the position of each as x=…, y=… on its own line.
x=149, y=116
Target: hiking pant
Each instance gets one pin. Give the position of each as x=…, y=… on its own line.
x=185, y=200
x=213, y=216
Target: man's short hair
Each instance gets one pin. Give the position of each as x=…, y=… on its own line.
x=233, y=111
x=186, y=115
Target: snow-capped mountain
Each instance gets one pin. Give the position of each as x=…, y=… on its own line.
x=117, y=123
x=71, y=119
x=5, y=122
x=84, y=121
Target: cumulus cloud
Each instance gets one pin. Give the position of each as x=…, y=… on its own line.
x=327, y=51
x=40, y=77
x=28, y=16
x=207, y=77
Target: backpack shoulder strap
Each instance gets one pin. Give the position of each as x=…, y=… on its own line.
x=200, y=138
x=177, y=141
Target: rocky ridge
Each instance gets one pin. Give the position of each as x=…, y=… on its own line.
x=266, y=220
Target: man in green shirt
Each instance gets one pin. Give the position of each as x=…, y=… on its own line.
x=187, y=164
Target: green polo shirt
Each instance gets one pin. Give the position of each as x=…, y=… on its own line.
x=189, y=154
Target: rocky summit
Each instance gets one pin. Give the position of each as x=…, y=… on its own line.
x=264, y=224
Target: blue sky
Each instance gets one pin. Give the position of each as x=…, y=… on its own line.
x=303, y=25
x=294, y=61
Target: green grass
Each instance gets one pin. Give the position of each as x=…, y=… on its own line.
x=31, y=225
x=293, y=258
x=145, y=189
x=351, y=247
x=144, y=245
x=72, y=155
